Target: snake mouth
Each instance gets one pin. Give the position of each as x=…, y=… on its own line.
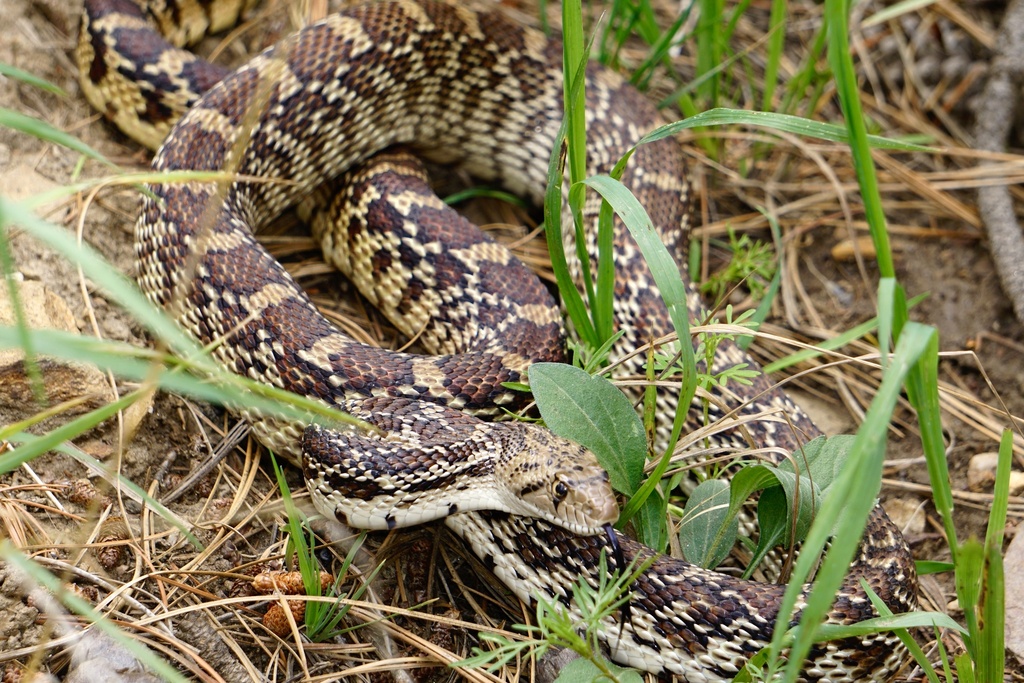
x=590, y=518
x=606, y=509
x=591, y=505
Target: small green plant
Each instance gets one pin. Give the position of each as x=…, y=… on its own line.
x=855, y=493
x=558, y=626
x=791, y=494
x=752, y=264
x=668, y=360
x=322, y=618
x=592, y=360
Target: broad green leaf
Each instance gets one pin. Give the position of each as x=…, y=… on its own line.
x=802, y=497
x=592, y=412
x=585, y=671
x=773, y=521
x=749, y=480
x=651, y=523
x=818, y=462
x=821, y=459
x=708, y=531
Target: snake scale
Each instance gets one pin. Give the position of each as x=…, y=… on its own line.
x=475, y=91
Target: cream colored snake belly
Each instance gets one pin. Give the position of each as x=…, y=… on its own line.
x=474, y=91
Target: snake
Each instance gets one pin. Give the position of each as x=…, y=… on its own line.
x=475, y=91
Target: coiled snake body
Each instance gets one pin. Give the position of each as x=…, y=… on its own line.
x=471, y=90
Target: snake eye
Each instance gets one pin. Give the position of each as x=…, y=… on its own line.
x=561, y=490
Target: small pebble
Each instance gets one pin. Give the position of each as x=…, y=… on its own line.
x=981, y=471
x=907, y=514
x=981, y=474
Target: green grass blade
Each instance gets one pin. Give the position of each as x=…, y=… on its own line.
x=847, y=89
x=211, y=383
x=805, y=78
x=485, y=192
x=845, y=509
x=895, y=11
x=11, y=555
x=30, y=79
x=663, y=267
x=925, y=567
x=309, y=568
x=7, y=270
x=121, y=290
x=115, y=285
x=1000, y=494
x=710, y=46
x=990, y=642
x=781, y=122
x=908, y=640
x=886, y=314
x=887, y=622
x=673, y=291
x=136, y=180
x=44, y=131
x=776, y=43
x=602, y=308
x=837, y=342
x=923, y=392
x=32, y=446
x=970, y=563
x=660, y=50
x=574, y=55
x=571, y=299
x=965, y=669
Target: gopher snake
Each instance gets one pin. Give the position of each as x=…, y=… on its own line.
x=472, y=90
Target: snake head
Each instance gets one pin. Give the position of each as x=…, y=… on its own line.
x=555, y=479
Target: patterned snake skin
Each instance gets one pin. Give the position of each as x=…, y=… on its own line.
x=473, y=91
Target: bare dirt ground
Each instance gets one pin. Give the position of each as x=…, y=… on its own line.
x=936, y=252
